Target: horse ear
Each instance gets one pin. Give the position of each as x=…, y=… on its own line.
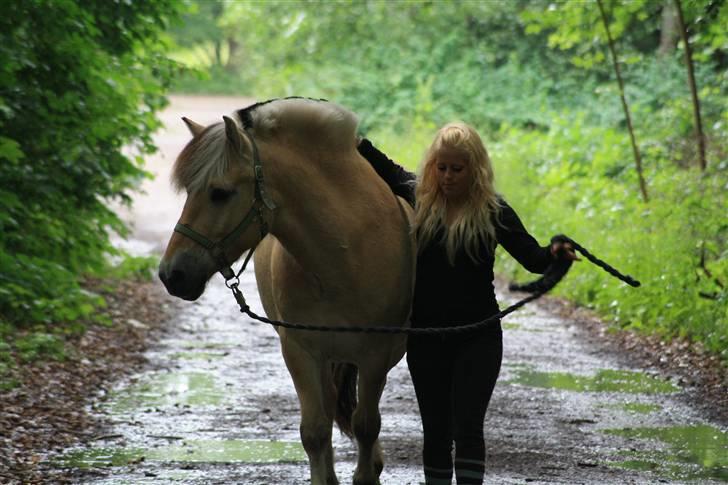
x=232, y=133
x=195, y=128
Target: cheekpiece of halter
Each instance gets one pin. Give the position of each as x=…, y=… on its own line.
x=260, y=192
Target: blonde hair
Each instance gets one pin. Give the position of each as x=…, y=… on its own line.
x=475, y=224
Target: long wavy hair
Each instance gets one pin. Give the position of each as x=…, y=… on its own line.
x=475, y=223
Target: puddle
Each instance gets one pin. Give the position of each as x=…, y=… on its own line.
x=168, y=389
x=187, y=345
x=198, y=451
x=199, y=355
x=691, y=452
x=101, y=457
x=605, y=380
x=631, y=407
x=640, y=408
x=232, y=451
x=518, y=326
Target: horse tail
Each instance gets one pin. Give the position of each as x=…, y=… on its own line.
x=345, y=376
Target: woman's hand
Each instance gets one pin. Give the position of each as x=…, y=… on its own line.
x=563, y=249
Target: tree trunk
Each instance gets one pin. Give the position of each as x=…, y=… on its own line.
x=669, y=31
x=693, y=87
x=635, y=149
x=233, y=53
x=218, y=53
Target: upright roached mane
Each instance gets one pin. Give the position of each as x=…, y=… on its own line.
x=312, y=122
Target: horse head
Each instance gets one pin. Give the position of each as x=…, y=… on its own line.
x=220, y=171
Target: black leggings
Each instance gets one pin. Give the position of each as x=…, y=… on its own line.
x=454, y=377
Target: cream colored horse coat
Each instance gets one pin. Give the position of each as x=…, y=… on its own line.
x=339, y=252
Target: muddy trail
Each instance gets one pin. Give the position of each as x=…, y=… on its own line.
x=215, y=404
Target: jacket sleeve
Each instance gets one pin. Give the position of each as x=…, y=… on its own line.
x=511, y=234
x=391, y=172
x=401, y=181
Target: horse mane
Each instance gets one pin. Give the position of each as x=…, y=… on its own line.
x=316, y=121
x=310, y=121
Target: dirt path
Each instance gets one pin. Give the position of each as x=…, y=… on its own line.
x=216, y=404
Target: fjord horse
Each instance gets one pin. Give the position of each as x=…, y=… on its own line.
x=333, y=248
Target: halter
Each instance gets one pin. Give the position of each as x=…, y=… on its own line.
x=217, y=249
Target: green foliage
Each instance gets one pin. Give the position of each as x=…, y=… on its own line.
x=578, y=180
x=79, y=81
x=140, y=268
x=676, y=245
x=536, y=78
x=386, y=59
x=200, y=30
x=37, y=345
x=7, y=363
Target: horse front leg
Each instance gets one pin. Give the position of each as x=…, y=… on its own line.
x=366, y=422
x=317, y=396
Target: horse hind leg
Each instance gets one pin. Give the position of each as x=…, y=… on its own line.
x=367, y=424
x=317, y=395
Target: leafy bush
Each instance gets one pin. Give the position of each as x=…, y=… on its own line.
x=6, y=366
x=578, y=180
x=535, y=77
x=80, y=80
x=141, y=268
x=38, y=344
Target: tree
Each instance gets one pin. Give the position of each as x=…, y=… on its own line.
x=669, y=30
x=80, y=80
x=699, y=137
x=633, y=141
x=200, y=28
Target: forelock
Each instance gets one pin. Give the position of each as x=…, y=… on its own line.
x=203, y=158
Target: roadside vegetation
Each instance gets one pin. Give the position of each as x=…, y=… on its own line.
x=538, y=80
x=80, y=81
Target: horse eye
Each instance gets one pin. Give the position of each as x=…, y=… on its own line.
x=220, y=195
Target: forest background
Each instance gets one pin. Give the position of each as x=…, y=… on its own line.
x=535, y=77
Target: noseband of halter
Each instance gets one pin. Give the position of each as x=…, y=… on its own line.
x=217, y=249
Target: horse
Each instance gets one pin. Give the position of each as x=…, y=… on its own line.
x=333, y=246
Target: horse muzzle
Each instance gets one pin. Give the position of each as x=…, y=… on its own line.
x=183, y=276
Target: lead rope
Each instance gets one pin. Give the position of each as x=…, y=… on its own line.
x=553, y=275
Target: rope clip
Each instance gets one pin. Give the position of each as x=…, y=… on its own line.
x=239, y=297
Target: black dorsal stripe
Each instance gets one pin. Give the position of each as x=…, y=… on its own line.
x=246, y=114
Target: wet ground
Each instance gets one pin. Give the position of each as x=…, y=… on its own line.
x=216, y=404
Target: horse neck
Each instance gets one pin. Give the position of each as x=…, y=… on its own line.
x=326, y=206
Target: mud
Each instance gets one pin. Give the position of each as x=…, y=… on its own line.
x=216, y=404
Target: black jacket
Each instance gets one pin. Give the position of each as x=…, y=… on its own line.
x=447, y=295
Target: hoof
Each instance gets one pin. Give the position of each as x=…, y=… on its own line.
x=367, y=482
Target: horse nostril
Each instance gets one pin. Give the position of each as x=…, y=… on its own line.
x=176, y=277
x=171, y=278
x=182, y=277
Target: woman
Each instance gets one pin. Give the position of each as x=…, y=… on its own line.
x=459, y=221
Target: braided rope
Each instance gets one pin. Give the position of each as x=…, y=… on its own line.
x=553, y=275
x=626, y=278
